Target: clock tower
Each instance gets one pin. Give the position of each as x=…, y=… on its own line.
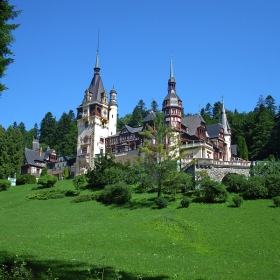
x=96, y=120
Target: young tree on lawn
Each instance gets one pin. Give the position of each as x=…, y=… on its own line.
x=7, y=13
x=160, y=159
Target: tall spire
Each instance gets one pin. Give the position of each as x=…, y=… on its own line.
x=97, y=68
x=171, y=69
x=223, y=119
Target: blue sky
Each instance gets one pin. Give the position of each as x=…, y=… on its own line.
x=217, y=47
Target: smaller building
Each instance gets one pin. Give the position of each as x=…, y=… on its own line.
x=56, y=168
x=35, y=159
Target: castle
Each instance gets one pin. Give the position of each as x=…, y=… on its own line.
x=97, y=128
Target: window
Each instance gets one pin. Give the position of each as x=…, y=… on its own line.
x=86, y=124
x=101, y=151
x=85, y=139
x=112, y=116
x=101, y=140
x=84, y=150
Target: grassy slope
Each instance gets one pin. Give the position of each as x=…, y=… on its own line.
x=201, y=242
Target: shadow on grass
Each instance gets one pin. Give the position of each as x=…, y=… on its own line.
x=56, y=269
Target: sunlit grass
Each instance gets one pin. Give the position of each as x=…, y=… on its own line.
x=200, y=242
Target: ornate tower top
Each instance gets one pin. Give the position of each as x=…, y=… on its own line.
x=113, y=96
x=96, y=88
x=172, y=99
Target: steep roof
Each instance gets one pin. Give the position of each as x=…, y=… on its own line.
x=33, y=157
x=134, y=129
x=214, y=130
x=96, y=86
x=192, y=123
x=234, y=149
x=223, y=120
x=149, y=117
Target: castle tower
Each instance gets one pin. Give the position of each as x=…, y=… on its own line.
x=227, y=133
x=113, y=112
x=172, y=104
x=96, y=120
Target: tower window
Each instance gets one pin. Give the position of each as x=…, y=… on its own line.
x=86, y=124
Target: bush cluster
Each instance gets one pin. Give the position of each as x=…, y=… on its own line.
x=44, y=195
x=185, y=202
x=80, y=181
x=213, y=191
x=83, y=198
x=237, y=200
x=276, y=201
x=254, y=188
x=272, y=183
x=26, y=179
x=161, y=202
x=234, y=182
x=119, y=193
x=4, y=185
x=47, y=181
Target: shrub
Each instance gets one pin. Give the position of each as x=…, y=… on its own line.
x=80, y=181
x=161, y=202
x=254, y=188
x=234, y=182
x=71, y=193
x=4, y=185
x=237, y=200
x=26, y=179
x=185, y=202
x=49, y=194
x=44, y=172
x=272, y=183
x=58, y=195
x=47, y=181
x=119, y=193
x=276, y=201
x=65, y=173
x=82, y=198
x=213, y=191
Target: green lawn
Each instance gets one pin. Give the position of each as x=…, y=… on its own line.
x=201, y=242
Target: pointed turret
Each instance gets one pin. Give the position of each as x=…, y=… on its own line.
x=96, y=86
x=223, y=120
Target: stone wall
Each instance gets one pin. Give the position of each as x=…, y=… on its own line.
x=218, y=173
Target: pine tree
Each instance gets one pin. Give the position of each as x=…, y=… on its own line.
x=242, y=150
x=14, y=150
x=48, y=130
x=3, y=154
x=7, y=13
